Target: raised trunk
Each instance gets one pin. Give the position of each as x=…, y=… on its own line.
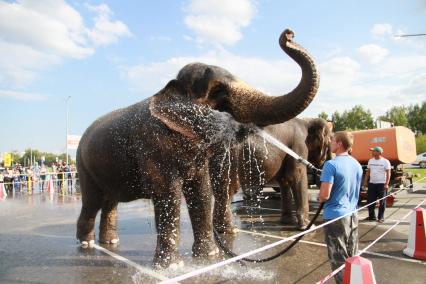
x=260, y=109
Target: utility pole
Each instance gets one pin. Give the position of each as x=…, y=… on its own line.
x=66, y=136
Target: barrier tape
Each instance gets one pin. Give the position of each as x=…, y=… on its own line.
x=333, y=273
x=261, y=249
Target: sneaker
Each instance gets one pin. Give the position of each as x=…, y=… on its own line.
x=381, y=220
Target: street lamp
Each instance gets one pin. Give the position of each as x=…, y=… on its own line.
x=66, y=136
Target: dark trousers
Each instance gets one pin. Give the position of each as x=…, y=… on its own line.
x=341, y=238
x=376, y=191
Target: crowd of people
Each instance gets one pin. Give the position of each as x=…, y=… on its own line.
x=36, y=177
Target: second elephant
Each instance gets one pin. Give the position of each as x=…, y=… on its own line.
x=254, y=163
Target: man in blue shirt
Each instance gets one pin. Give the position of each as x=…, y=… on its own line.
x=340, y=185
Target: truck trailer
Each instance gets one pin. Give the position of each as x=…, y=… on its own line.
x=399, y=147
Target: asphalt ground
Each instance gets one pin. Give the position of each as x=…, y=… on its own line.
x=38, y=245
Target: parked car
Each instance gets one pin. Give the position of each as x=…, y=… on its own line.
x=421, y=160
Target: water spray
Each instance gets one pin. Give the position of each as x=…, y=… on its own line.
x=286, y=149
x=299, y=159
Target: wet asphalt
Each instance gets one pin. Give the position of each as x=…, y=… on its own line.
x=38, y=245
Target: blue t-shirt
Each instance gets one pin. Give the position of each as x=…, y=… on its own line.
x=345, y=173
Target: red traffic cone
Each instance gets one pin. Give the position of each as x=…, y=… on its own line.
x=358, y=270
x=50, y=187
x=3, y=192
x=416, y=247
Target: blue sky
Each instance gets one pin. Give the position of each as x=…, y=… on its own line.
x=110, y=54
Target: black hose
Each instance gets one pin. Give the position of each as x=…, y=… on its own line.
x=230, y=253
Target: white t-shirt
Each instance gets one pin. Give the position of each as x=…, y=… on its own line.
x=378, y=169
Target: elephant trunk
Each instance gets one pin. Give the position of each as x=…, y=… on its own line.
x=260, y=109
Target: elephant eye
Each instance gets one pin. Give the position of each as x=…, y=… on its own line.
x=218, y=93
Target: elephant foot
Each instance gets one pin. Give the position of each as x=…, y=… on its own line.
x=163, y=261
x=205, y=249
x=87, y=244
x=86, y=240
x=288, y=220
x=302, y=224
x=109, y=237
x=228, y=229
x=109, y=241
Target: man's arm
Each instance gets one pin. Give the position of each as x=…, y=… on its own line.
x=388, y=176
x=325, y=190
x=367, y=176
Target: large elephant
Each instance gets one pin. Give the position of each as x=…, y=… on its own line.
x=252, y=164
x=159, y=149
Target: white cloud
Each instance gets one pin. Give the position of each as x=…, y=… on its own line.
x=346, y=83
x=106, y=31
x=381, y=30
x=416, y=87
x=36, y=35
x=338, y=72
x=219, y=21
x=274, y=77
x=372, y=53
x=22, y=96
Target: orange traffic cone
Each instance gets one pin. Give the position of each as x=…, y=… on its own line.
x=3, y=193
x=50, y=187
x=358, y=270
x=416, y=247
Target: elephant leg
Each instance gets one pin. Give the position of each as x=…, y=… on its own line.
x=198, y=199
x=222, y=189
x=287, y=216
x=108, y=224
x=91, y=204
x=167, y=217
x=300, y=193
x=222, y=214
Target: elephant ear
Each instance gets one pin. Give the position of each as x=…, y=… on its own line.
x=175, y=110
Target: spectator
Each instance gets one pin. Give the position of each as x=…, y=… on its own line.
x=8, y=180
x=340, y=184
x=377, y=179
x=43, y=172
x=54, y=175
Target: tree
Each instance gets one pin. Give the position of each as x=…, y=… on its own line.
x=36, y=155
x=421, y=143
x=323, y=115
x=416, y=118
x=355, y=119
x=397, y=115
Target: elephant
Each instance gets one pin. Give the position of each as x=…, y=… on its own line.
x=254, y=163
x=159, y=149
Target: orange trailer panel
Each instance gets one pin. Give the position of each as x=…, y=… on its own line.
x=398, y=143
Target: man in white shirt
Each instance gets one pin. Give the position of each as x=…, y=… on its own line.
x=377, y=178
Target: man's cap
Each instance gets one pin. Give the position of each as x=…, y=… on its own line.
x=377, y=149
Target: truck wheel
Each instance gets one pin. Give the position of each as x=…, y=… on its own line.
x=422, y=165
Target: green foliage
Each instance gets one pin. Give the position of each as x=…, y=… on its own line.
x=355, y=119
x=397, y=115
x=421, y=143
x=323, y=115
x=36, y=155
x=416, y=117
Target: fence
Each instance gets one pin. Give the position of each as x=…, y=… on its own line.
x=65, y=182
